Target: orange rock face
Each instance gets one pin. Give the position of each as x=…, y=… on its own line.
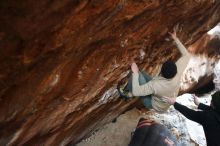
x=60, y=61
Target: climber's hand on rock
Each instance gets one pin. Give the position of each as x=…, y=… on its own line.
x=173, y=34
x=134, y=68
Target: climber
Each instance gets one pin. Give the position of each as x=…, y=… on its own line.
x=166, y=83
x=209, y=117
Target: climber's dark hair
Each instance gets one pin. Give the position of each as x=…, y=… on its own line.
x=168, y=69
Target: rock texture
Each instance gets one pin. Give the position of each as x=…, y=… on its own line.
x=61, y=60
x=199, y=74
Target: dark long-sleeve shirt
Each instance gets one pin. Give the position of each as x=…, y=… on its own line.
x=208, y=118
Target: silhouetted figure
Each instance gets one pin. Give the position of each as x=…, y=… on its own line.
x=209, y=117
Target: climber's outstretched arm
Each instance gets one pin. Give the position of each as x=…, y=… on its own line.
x=178, y=43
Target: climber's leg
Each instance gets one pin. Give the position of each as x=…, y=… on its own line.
x=126, y=91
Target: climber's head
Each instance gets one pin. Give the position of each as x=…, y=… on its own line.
x=215, y=103
x=168, y=69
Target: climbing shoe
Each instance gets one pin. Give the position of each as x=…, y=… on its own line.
x=125, y=94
